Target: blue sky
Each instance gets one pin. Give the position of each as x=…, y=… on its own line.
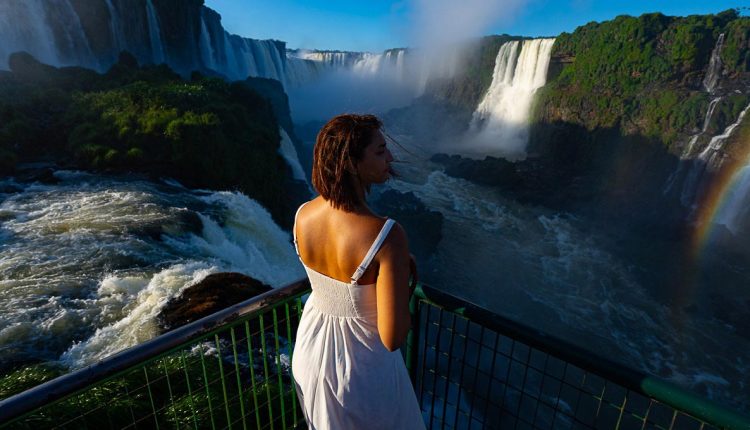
x=376, y=25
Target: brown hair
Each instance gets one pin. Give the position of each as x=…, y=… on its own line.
x=339, y=144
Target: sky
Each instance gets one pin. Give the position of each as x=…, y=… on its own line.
x=376, y=25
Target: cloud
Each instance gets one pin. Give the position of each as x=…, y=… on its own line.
x=438, y=23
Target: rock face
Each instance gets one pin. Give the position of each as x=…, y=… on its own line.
x=423, y=226
x=212, y=294
x=652, y=75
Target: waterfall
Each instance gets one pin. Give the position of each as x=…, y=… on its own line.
x=207, y=51
x=74, y=47
x=736, y=209
x=688, y=151
x=269, y=60
x=154, y=32
x=714, y=66
x=23, y=27
x=289, y=152
x=710, y=158
x=114, y=24
x=231, y=67
x=500, y=122
x=247, y=59
x=389, y=65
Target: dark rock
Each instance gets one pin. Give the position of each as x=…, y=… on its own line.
x=214, y=293
x=490, y=171
x=10, y=189
x=423, y=226
x=44, y=175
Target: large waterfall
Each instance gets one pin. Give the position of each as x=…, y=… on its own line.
x=390, y=65
x=324, y=83
x=59, y=34
x=500, y=122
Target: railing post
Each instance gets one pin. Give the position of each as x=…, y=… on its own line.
x=412, y=339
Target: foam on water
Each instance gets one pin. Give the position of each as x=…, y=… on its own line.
x=87, y=264
x=534, y=261
x=139, y=323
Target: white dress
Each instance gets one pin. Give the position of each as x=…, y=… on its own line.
x=345, y=376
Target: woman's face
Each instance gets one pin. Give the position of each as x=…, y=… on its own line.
x=375, y=165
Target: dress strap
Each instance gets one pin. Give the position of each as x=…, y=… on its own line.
x=373, y=250
x=294, y=230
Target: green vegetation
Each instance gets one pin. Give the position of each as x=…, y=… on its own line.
x=642, y=74
x=203, y=132
x=196, y=389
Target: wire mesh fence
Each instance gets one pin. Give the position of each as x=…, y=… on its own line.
x=474, y=370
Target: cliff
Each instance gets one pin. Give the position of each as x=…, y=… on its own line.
x=649, y=76
x=204, y=132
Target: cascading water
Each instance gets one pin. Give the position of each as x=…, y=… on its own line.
x=154, y=32
x=710, y=158
x=500, y=123
x=685, y=160
x=287, y=150
x=207, y=51
x=118, y=37
x=88, y=263
x=714, y=66
x=74, y=47
x=23, y=28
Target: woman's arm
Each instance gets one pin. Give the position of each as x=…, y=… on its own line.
x=393, y=289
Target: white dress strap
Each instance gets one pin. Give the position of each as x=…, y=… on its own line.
x=373, y=250
x=294, y=230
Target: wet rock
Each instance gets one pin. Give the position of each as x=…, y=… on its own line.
x=214, y=293
x=44, y=175
x=423, y=226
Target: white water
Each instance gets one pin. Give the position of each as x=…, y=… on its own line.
x=287, y=150
x=734, y=212
x=86, y=265
x=499, y=125
x=685, y=160
x=710, y=159
x=558, y=273
x=154, y=33
x=714, y=66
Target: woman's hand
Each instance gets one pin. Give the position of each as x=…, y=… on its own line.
x=413, y=273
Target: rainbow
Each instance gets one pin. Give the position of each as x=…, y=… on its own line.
x=722, y=191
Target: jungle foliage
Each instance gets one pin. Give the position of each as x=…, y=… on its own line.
x=644, y=74
x=203, y=132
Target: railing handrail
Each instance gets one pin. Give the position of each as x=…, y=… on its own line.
x=642, y=383
x=69, y=384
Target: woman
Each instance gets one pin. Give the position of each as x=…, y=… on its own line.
x=346, y=363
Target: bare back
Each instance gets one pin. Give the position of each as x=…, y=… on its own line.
x=334, y=242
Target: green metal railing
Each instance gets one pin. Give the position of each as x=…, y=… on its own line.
x=229, y=370
x=471, y=369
